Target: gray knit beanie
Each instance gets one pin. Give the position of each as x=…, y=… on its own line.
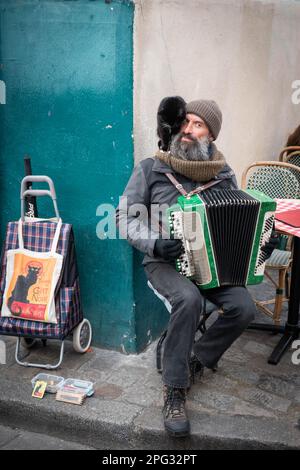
x=209, y=111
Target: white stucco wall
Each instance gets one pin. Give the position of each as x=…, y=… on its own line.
x=244, y=54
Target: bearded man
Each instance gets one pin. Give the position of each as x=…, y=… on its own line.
x=188, y=158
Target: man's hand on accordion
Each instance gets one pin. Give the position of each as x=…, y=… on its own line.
x=169, y=250
x=270, y=246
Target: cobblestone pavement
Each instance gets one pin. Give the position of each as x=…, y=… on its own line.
x=247, y=403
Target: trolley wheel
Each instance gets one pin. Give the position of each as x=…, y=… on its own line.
x=28, y=343
x=82, y=336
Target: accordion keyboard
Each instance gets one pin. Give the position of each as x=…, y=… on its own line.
x=194, y=260
x=184, y=263
x=265, y=236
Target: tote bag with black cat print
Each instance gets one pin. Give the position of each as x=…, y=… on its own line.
x=31, y=279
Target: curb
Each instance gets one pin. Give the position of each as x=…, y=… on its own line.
x=141, y=428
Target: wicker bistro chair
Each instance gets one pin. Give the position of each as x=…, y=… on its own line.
x=288, y=152
x=277, y=180
x=293, y=157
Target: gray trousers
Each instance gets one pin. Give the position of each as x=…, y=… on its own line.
x=185, y=302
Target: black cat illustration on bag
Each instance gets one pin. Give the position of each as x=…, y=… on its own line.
x=21, y=289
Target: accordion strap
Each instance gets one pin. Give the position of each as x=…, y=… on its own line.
x=195, y=191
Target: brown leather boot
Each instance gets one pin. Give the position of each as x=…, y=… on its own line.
x=175, y=419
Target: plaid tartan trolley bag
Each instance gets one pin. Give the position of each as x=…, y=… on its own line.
x=39, y=286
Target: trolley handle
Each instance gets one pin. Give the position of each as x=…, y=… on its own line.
x=38, y=192
x=38, y=179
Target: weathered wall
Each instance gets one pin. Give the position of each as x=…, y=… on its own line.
x=245, y=54
x=67, y=67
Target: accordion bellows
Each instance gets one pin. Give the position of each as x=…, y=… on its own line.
x=222, y=233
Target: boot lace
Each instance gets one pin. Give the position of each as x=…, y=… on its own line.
x=174, y=403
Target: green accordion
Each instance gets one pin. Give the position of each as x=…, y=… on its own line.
x=223, y=232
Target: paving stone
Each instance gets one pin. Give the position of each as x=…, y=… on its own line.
x=234, y=355
x=228, y=403
x=266, y=399
x=279, y=387
x=241, y=374
x=218, y=381
x=109, y=360
x=243, y=408
x=127, y=376
x=213, y=399
x=140, y=394
x=258, y=348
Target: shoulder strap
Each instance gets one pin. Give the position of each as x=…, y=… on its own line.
x=176, y=184
x=195, y=191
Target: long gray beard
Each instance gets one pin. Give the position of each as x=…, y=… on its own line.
x=196, y=150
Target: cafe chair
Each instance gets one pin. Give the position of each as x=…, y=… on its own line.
x=288, y=152
x=282, y=181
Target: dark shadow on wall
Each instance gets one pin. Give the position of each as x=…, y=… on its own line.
x=151, y=316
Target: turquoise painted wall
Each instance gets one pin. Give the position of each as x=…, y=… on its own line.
x=67, y=66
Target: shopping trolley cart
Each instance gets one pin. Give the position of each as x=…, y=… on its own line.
x=38, y=235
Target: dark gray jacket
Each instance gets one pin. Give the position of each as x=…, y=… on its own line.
x=149, y=185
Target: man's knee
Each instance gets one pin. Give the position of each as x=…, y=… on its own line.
x=242, y=309
x=245, y=312
x=190, y=299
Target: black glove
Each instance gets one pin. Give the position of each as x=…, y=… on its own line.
x=170, y=116
x=168, y=249
x=273, y=243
